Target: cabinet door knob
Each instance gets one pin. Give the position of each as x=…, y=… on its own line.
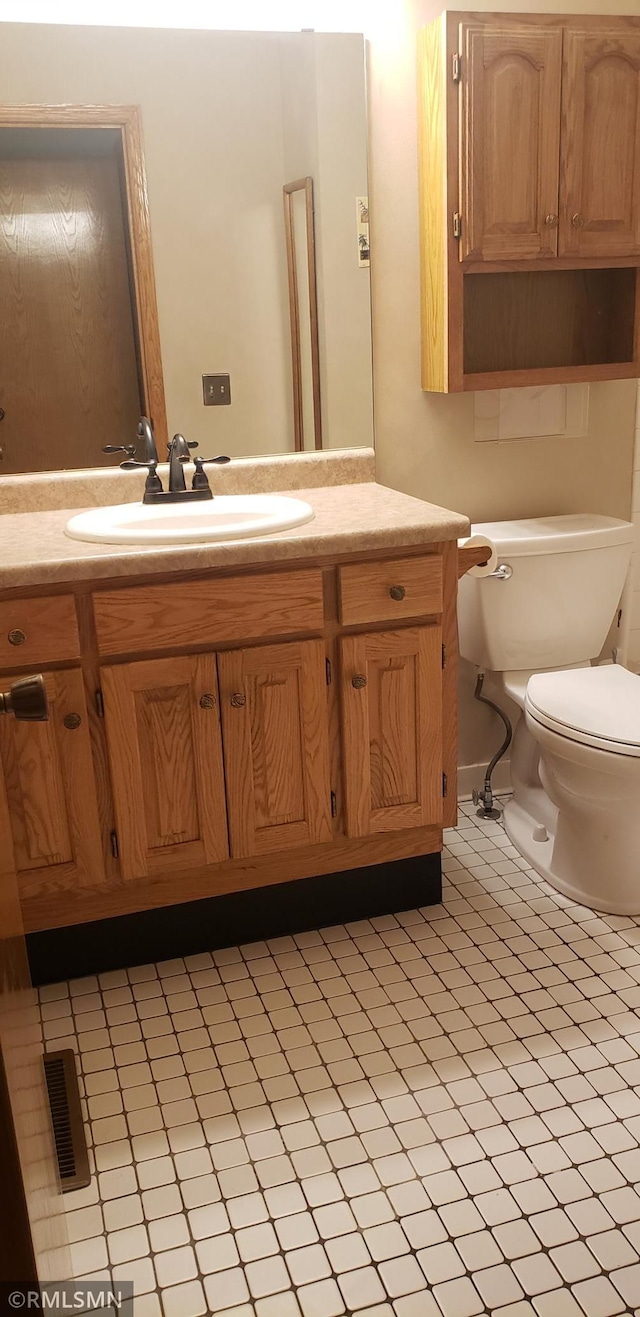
x=551, y=221
x=207, y=701
x=238, y=700
x=397, y=592
x=71, y=721
x=577, y=220
x=359, y=680
x=16, y=637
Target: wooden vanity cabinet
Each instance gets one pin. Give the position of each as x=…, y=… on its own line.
x=50, y=808
x=530, y=199
x=276, y=746
x=233, y=746
x=392, y=729
x=162, y=723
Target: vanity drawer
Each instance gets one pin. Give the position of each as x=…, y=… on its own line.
x=208, y=612
x=38, y=631
x=385, y=591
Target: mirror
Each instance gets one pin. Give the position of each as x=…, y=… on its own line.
x=183, y=232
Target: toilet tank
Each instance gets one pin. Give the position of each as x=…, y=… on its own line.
x=556, y=607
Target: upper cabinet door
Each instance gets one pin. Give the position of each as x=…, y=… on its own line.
x=276, y=746
x=510, y=137
x=392, y=729
x=600, y=191
x=163, y=734
x=50, y=792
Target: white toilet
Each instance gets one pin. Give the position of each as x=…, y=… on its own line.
x=534, y=626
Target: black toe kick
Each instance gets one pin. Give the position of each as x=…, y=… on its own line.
x=233, y=919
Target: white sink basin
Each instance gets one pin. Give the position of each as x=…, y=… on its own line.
x=227, y=517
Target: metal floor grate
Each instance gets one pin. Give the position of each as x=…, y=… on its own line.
x=66, y=1116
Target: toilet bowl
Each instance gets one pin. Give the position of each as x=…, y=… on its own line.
x=584, y=726
x=535, y=630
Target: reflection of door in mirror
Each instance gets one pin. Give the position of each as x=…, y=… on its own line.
x=299, y=223
x=71, y=352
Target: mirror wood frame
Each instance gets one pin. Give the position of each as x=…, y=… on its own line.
x=127, y=119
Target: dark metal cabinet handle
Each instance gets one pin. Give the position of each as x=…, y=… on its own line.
x=207, y=701
x=238, y=700
x=2, y=413
x=397, y=592
x=72, y=721
x=16, y=637
x=359, y=681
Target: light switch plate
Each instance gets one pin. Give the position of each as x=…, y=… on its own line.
x=216, y=390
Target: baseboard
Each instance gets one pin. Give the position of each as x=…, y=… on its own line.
x=472, y=775
x=233, y=919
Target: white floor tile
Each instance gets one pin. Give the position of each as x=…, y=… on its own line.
x=428, y=1115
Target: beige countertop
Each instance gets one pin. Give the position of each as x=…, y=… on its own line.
x=349, y=518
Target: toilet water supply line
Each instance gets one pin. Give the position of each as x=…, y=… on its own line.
x=484, y=798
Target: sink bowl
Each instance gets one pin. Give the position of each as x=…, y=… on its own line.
x=227, y=517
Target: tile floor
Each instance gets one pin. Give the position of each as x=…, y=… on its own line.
x=430, y=1115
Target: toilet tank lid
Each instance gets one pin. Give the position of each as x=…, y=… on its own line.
x=567, y=534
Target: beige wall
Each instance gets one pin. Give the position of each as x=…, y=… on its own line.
x=212, y=110
x=424, y=442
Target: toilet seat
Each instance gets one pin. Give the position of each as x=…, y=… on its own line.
x=599, y=707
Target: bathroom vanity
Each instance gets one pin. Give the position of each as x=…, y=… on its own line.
x=230, y=716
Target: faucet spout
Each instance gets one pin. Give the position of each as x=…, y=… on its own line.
x=178, y=453
x=145, y=432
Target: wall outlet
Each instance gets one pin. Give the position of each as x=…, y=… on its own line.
x=216, y=390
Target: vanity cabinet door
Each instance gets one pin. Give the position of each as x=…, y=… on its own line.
x=600, y=196
x=391, y=687
x=163, y=735
x=276, y=746
x=50, y=792
x=510, y=133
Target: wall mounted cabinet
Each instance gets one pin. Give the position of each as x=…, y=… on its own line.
x=530, y=199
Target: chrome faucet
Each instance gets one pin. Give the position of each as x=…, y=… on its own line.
x=179, y=452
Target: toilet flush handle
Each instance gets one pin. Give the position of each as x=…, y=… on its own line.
x=502, y=573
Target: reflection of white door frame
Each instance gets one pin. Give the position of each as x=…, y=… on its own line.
x=127, y=119
x=306, y=185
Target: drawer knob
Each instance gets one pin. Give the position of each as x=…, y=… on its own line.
x=397, y=592
x=551, y=221
x=359, y=681
x=238, y=700
x=16, y=637
x=72, y=721
x=207, y=701
x=577, y=220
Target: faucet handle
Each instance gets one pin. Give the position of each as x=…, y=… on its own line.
x=200, y=476
x=129, y=449
x=188, y=443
